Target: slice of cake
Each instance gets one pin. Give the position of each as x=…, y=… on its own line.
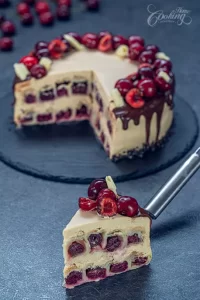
x=108, y=235
x=122, y=87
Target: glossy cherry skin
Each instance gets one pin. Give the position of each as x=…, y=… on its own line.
x=136, y=39
x=123, y=86
x=147, y=57
x=41, y=45
x=146, y=72
x=46, y=18
x=135, y=50
x=90, y=40
x=8, y=28
x=95, y=187
x=65, y=2
x=23, y=8
x=42, y=53
x=119, y=40
x=152, y=48
x=147, y=87
x=106, y=203
x=87, y=204
x=6, y=44
x=27, y=19
x=162, y=84
x=134, y=98
x=127, y=206
x=38, y=71
x=29, y=61
x=42, y=7
x=164, y=64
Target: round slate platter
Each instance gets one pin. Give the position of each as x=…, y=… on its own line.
x=70, y=153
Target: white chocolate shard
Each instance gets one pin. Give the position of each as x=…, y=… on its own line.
x=122, y=51
x=162, y=55
x=164, y=75
x=46, y=62
x=117, y=98
x=111, y=185
x=73, y=42
x=21, y=71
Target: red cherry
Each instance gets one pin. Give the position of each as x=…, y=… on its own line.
x=65, y=2
x=164, y=64
x=147, y=57
x=119, y=267
x=87, y=204
x=127, y=206
x=106, y=43
x=145, y=71
x=92, y=5
x=135, y=50
x=38, y=71
x=8, y=28
x=63, y=12
x=103, y=33
x=162, y=84
x=123, y=86
x=22, y=8
x=46, y=18
x=6, y=44
x=147, y=87
x=42, y=53
x=56, y=49
x=29, y=61
x=41, y=45
x=119, y=40
x=75, y=249
x=42, y=7
x=95, y=187
x=27, y=19
x=134, y=99
x=75, y=36
x=90, y=40
x=73, y=278
x=152, y=48
x=140, y=260
x=96, y=273
x=107, y=203
x=134, y=76
x=136, y=39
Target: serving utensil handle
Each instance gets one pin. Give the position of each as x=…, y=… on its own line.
x=173, y=186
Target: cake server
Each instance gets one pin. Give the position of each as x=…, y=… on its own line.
x=173, y=186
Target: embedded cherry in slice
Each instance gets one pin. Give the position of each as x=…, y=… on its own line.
x=95, y=239
x=73, y=277
x=118, y=268
x=113, y=242
x=140, y=260
x=134, y=239
x=75, y=249
x=97, y=273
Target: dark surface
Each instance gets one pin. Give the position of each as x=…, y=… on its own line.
x=34, y=212
x=63, y=153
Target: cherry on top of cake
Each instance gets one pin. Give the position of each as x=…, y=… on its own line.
x=154, y=77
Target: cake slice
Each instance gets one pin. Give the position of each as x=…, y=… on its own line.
x=108, y=235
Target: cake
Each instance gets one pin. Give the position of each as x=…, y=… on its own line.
x=122, y=87
x=108, y=235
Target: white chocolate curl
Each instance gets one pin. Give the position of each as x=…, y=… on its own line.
x=164, y=75
x=122, y=51
x=111, y=185
x=162, y=55
x=21, y=71
x=73, y=42
x=46, y=62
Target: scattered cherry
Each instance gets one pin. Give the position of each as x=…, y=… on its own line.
x=92, y=5
x=136, y=39
x=119, y=40
x=147, y=57
x=164, y=64
x=87, y=204
x=22, y=8
x=152, y=48
x=73, y=278
x=27, y=19
x=29, y=61
x=56, y=48
x=147, y=87
x=75, y=249
x=8, y=28
x=135, y=50
x=42, y=7
x=46, y=18
x=4, y=3
x=127, y=206
x=134, y=99
x=95, y=239
x=38, y=71
x=123, y=86
x=113, y=242
x=65, y=2
x=118, y=268
x=6, y=44
x=95, y=187
x=63, y=12
x=90, y=40
x=107, y=203
x=96, y=273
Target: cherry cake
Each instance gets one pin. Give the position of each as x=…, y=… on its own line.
x=109, y=235
x=123, y=87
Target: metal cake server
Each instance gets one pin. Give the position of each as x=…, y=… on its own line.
x=172, y=187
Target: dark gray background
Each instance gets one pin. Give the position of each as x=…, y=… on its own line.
x=34, y=212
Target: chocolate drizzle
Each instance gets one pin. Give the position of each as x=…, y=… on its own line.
x=156, y=105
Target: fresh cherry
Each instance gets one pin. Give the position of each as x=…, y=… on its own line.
x=134, y=76
x=106, y=43
x=119, y=40
x=42, y=7
x=42, y=53
x=65, y=2
x=63, y=12
x=162, y=84
x=147, y=87
x=147, y=57
x=136, y=39
x=152, y=48
x=107, y=203
x=145, y=71
x=75, y=249
x=95, y=187
x=56, y=48
x=6, y=44
x=96, y=273
x=38, y=71
x=92, y=5
x=46, y=18
x=8, y=28
x=164, y=64
x=118, y=268
x=73, y=278
x=29, y=61
x=123, y=86
x=41, y=45
x=27, y=19
x=134, y=51
x=90, y=40
x=22, y=8
x=127, y=206
x=113, y=243
x=87, y=204
x=134, y=99
x=95, y=239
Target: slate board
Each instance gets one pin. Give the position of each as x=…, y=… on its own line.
x=70, y=153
